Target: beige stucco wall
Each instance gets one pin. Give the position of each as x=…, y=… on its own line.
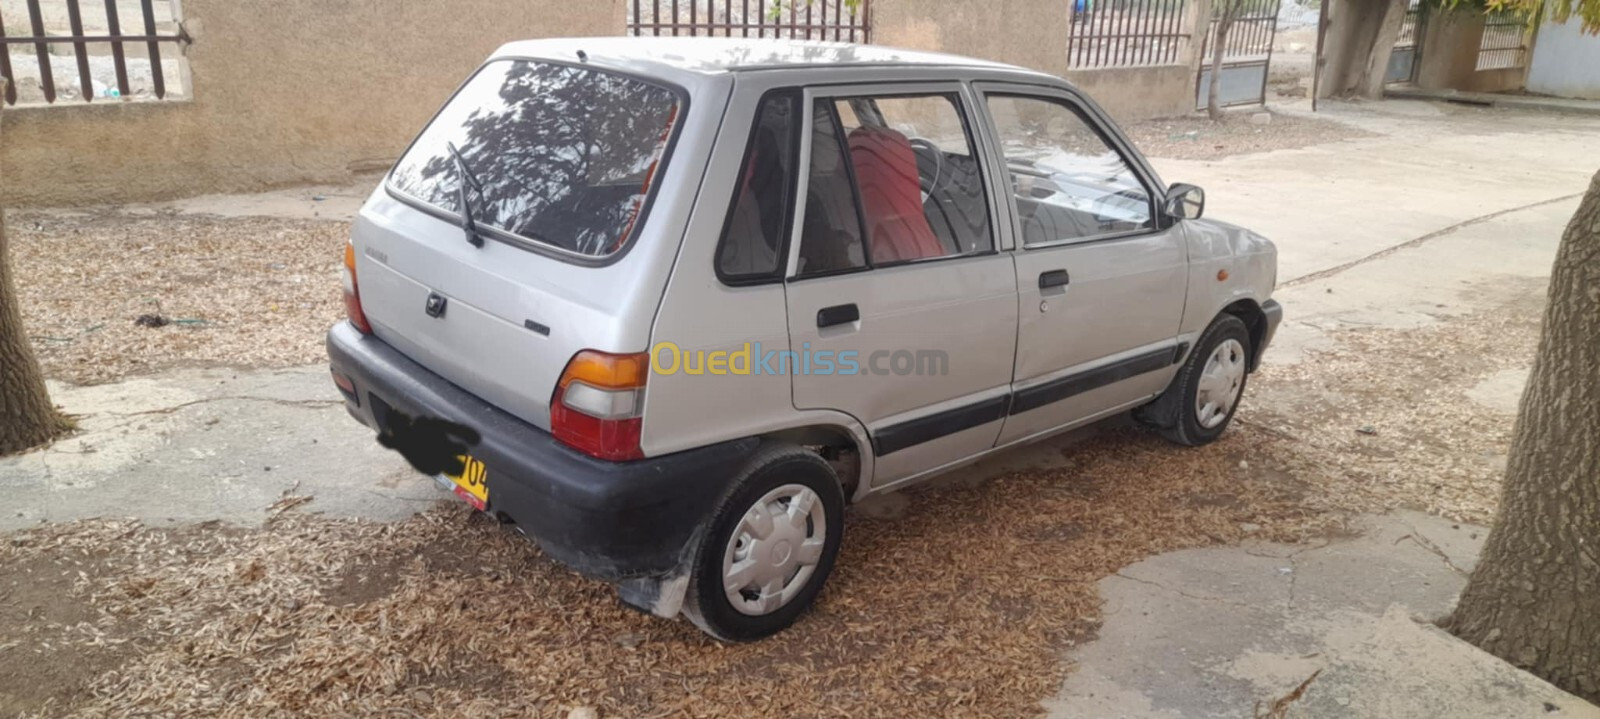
x=285, y=91
x=1138, y=93
x=1029, y=33
x=1450, y=57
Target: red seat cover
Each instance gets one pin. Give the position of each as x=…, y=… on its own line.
x=891, y=196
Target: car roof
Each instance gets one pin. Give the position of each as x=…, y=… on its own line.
x=716, y=55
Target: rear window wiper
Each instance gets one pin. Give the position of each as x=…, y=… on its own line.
x=468, y=225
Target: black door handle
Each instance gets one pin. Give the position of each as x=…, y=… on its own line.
x=837, y=315
x=1054, y=278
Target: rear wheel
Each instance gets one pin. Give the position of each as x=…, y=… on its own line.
x=769, y=547
x=1199, y=404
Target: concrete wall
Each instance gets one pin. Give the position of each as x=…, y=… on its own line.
x=1033, y=34
x=285, y=91
x=1450, y=56
x=1139, y=93
x=1566, y=62
x=1029, y=33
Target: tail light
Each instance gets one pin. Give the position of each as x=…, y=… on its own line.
x=599, y=402
x=352, y=292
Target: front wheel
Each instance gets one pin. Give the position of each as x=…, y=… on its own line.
x=1200, y=402
x=769, y=547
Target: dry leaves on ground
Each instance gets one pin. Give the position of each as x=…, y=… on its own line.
x=257, y=292
x=962, y=606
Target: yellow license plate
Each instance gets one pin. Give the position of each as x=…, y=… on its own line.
x=473, y=482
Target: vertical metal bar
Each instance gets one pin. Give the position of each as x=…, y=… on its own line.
x=1175, y=27
x=1316, y=58
x=694, y=17
x=42, y=51
x=675, y=21
x=80, y=49
x=1272, y=34
x=1147, y=56
x=809, y=21
x=5, y=67
x=794, y=17
x=852, y=24
x=156, y=74
x=655, y=23
x=636, y=8
x=866, y=21
x=745, y=19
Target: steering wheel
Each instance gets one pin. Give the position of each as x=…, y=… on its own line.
x=923, y=143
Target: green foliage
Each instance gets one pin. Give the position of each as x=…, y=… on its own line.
x=1587, y=11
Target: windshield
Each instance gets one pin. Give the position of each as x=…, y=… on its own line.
x=565, y=155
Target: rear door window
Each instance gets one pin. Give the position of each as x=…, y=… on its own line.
x=565, y=156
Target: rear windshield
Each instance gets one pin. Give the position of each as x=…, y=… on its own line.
x=565, y=156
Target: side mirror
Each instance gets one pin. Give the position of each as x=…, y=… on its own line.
x=1185, y=202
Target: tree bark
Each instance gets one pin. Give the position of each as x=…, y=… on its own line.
x=27, y=418
x=1229, y=10
x=1360, y=38
x=1534, y=599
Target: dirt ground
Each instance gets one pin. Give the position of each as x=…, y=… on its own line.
x=256, y=292
x=1196, y=137
x=962, y=604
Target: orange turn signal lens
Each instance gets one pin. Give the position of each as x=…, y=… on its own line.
x=608, y=371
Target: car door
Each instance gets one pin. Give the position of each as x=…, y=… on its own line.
x=902, y=312
x=1101, y=276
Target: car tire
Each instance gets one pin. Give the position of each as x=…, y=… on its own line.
x=1197, y=408
x=797, y=542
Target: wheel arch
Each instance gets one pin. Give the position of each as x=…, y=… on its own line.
x=1255, y=320
x=839, y=445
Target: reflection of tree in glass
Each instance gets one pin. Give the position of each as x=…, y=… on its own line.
x=565, y=154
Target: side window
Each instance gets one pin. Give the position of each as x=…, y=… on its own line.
x=830, y=236
x=1068, y=181
x=751, y=248
x=921, y=187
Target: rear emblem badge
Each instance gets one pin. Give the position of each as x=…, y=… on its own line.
x=435, y=306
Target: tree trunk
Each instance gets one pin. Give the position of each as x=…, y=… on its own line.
x=1229, y=10
x=1360, y=38
x=27, y=418
x=1534, y=599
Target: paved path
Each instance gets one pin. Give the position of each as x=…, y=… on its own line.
x=1211, y=632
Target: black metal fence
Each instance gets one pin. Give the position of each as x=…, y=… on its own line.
x=836, y=20
x=121, y=36
x=1126, y=33
x=1504, y=43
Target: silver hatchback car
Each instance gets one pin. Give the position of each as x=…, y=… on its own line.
x=669, y=305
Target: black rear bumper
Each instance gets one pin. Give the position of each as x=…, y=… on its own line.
x=610, y=520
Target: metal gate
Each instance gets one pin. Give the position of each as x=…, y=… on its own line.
x=1408, y=46
x=1246, y=56
x=836, y=20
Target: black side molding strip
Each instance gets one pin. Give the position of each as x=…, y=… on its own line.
x=914, y=432
x=925, y=429
x=1060, y=389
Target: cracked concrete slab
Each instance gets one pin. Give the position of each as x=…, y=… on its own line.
x=1211, y=632
x=198, y=445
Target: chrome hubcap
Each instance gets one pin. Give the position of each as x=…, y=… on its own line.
x=775, y=549
x=1220, y=384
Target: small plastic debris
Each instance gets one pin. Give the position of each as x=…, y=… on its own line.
x=1367, y=429
x=151, y=321
x=318, y=198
